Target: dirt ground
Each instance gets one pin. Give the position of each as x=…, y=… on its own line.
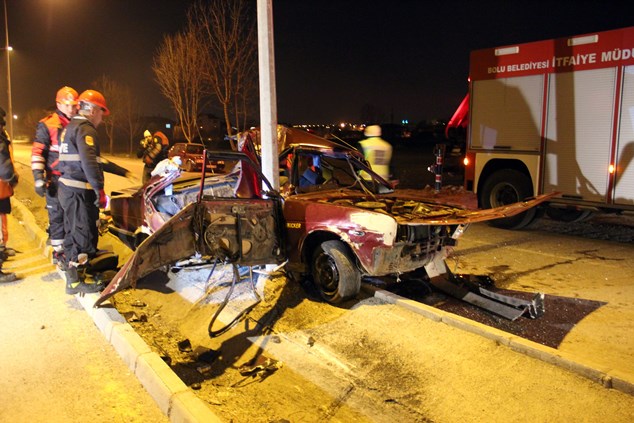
x=296, y=359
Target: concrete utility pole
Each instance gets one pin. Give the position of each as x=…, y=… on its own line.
x=268, y=98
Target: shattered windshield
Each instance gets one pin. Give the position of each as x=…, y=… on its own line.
x=318, y=170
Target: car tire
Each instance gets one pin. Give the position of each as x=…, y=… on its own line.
x=506, y=187
x=189, y=166
x=334, y=273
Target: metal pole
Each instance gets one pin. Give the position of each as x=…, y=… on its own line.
x=10, y=105
x=268, y=99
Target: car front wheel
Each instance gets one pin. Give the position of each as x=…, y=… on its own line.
x=334, y=273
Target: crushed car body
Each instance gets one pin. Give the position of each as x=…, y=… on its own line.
x=334, y=221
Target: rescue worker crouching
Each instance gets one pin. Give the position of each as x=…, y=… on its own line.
x=81, y=188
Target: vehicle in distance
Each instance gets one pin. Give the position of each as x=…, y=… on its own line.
x=192, y=158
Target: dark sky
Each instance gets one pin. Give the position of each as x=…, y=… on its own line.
x=407, y=58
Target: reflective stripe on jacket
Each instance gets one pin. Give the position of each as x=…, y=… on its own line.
x=79, y=156
x=45, y=150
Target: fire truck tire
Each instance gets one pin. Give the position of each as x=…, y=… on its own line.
x=334, y=272
x=568, y=216
x=508, y=186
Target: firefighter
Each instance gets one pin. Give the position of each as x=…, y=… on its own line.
x=152, y=149
x=377, y=151
x=44, y=163
x=8, y=179
x=81, y=188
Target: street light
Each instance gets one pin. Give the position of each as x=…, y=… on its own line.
x=8, y=49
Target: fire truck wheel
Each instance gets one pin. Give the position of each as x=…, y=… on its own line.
x=334, y=273
x=506, y=187
x=567, y=215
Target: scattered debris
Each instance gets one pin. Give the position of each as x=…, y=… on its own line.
x=260, y=366
x=207, y=355
x=131, y=316
x=203, y=368
x=185, y=346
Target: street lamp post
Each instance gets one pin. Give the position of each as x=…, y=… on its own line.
x=8, y=50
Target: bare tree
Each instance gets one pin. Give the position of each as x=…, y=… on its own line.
x=117, y=97
x=179, y=69
x=227, y=30
x=31, y=119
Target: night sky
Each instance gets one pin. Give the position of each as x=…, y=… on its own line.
x=408, y=59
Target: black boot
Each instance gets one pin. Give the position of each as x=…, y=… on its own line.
x=7, y=277
x=74, y=285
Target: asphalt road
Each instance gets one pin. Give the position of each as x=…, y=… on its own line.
x=378, y=362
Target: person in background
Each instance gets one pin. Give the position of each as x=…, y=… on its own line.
x=44, y=163
x=81, y=188
x=153, y=148
x=8, y=179
x=377, y=151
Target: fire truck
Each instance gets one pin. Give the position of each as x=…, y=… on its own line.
x=552, y=116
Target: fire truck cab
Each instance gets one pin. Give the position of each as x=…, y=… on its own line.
x=553, y=116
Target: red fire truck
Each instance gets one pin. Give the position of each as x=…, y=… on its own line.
x=552, y=116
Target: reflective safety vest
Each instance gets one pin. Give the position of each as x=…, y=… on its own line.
x=378, y=153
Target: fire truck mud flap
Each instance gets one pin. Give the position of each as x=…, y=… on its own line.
x=464, y=289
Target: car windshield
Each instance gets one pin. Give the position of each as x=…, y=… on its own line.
x=195, y=149
x=318, y=171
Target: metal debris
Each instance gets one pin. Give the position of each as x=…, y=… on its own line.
x=260, y=366
x=185, y=346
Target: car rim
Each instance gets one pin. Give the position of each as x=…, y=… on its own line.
x=326, y=274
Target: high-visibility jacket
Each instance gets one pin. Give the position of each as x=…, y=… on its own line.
x=45, y=150
x=378, y=153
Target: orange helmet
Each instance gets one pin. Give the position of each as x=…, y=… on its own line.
x=66, y=95
x=96, y=98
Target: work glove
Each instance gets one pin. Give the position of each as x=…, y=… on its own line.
x=102, y=200
x=40, y=187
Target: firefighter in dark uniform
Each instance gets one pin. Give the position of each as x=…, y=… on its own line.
x=44, y=163
x=81, y=188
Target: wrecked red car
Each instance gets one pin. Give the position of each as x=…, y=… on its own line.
x=335, y=222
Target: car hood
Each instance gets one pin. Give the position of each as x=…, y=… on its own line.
x=419, y=207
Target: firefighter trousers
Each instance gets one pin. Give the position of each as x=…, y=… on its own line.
x=80, y=222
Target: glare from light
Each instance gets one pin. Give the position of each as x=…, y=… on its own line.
x=465, y=161
x=611, y=169
x=579, y=41
x=504, y=51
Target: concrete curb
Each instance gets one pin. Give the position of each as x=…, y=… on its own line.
x=26, y=219
x=609, y=378
x=169, y=392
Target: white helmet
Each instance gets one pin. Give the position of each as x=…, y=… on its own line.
x=372, y=131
